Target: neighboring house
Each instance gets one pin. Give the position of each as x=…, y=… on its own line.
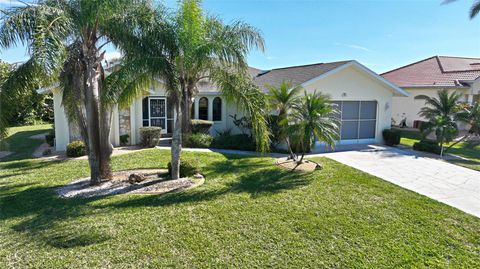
x=427, y=77
x=364, y=99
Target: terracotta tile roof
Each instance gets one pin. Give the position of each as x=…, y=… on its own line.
x=436, y=71
x=295, y=74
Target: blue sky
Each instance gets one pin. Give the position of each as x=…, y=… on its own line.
x=380, y=34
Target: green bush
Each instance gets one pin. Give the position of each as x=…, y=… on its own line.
x=188, y=167
x=238, y=142
x=427, y=146
x=76, y=149
x=150, y=136
x=124, y=139
x=198, y=140
x=201, y=126
x=391, y=137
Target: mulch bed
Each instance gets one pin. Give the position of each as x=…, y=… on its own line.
x=155, y=182
x=305, y=166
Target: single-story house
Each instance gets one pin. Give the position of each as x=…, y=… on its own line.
x=363, y=97
x=427, y=77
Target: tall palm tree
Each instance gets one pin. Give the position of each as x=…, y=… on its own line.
x=282, y=99
x=188, y=46
x=311, y=120
x=442, y=113
x=75, y=31
x=474, y=10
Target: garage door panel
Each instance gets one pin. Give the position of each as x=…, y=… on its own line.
x=367, y=129
x=368, y=110
x=349, y=130
x=350, y=110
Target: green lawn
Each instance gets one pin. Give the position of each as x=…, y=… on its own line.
x=468, y=150
x=20, y=143
x=249, y=213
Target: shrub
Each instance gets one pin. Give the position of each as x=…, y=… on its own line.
x=188, y=167
x=275, y=130
x=391, y=137
x=124, y=139
x=239, y=142
x=76, y=149
x=149, y=136
x=201, y=126
x=198, y=140
x=427, y=146
x=50, y=138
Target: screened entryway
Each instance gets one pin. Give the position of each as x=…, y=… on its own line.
x=358, y=120
x=156, y=113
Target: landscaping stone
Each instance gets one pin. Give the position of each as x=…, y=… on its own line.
x=136, y=178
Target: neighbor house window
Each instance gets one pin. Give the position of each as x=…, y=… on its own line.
x=217, y=109
x=203, y=108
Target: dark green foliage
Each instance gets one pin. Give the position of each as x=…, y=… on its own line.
x=124, y=139
x=275, y=131
x=76, y=149
x=150, y=136
x=198, y=140
x=427, y=146
x=50, y=138
x=238, y=142
x=188, y=167
x=201, y=126
x=391, y=137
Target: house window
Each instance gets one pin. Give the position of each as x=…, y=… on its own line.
x=203, y=108
x=217, y=109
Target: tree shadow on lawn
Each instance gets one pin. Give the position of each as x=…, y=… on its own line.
x=42, y=213
x=266, y=181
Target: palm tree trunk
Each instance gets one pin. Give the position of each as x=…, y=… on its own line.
x=106, y=147
x=458, y=141
x=292, y=156
x=176, y=141
x=187, y=108
x=92, y=106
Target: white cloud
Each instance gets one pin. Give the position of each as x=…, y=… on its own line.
x=353, y=46
x=271, y=58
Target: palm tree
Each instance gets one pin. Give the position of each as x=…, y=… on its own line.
x=470, y=115
x=442, y=114
x=282, y=99
x=187, y=47
x=474, y=10
x=311, y=120
x=75, y=31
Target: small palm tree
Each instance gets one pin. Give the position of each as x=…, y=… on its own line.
x=311, y=120
x=470, y=115
x=282, y=99
x=442, y=114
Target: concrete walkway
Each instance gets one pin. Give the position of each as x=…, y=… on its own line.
x=450, y=184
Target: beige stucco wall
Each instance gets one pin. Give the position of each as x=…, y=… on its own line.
x=352, y=84
x=409, y=107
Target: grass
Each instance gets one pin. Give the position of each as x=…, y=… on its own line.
x=20, y=143
x=249, y=213
x=470, y=151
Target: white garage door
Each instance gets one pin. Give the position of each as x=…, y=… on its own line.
x=358, y=121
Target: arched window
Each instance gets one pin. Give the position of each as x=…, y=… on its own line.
x=217, y=109
x=203, y=108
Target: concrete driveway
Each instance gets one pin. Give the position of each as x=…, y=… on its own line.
x=450, y=184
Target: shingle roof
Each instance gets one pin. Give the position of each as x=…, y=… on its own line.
x=295, y=74
x=436, y=71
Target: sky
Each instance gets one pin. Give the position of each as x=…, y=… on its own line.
x=381, y=34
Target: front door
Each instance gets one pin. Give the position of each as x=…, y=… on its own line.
x=158, y=112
